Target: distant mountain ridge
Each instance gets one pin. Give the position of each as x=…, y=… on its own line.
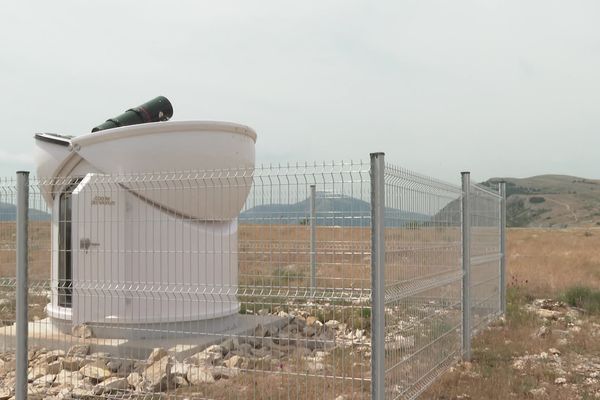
x=551, y=201
x=332, y=210
x=8, y=212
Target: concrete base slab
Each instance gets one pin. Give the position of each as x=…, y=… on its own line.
x=43, y=333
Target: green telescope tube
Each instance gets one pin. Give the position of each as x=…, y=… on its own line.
x=158, y=109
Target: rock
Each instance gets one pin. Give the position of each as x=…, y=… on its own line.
x=180, y=381
x=127, y=365
x=157, y=354
x=560, y=381
x=35, y=393
x=230, y=344
x=114, y=365
x=179, y=369
x=52, y=356
x=5, y=393
x=310, y=321
x=399, y=342
x=215, y=348
x=79, y=350
x=519, y=364
x=156, y=376
x=224, y=372
x=65, y=377
x=259, y=331
x=82, y=331
x=54, y=367
x=244, y=348
x=260, y=352
x=46, y=380
x=315, y=366
x=543, y=332
x=309, y=331
x=73, y=363
x=208, y=356
x=96, y=371
x=111, y=384
x=263, y=311
x=234, y=362
x=82, y=393
x=199, y=375
x=548, y=314
x=332, y=324
x=134, y=379
x=36, y=372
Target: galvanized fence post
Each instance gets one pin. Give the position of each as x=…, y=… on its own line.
x=466, y=266
x=503, y=248
x=377, y=276
x=22, y=284
x=313, y=239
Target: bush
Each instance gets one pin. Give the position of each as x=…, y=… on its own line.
x=583, y=297
x=536, y=200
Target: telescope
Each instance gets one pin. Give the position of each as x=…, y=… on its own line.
x=158, y=109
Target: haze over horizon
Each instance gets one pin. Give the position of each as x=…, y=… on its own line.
x=500, y=88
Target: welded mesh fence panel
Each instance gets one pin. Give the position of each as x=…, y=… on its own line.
x=422, y=279
x=485, y=256
x=152, y=284
x=39, y=261
x=208, y=284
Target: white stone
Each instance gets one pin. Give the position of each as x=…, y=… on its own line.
x=46, y=380
x=82, y=331
x=332, y=323
x=79, y=350
x=234, y=362
x=156, y=355
x=554, y=351
x=156, y=376
x=96, y=371
x=179, y=369
x=36, y=372
x=134, y=379
x=65, y=377
x=199, y=375
x=114, y=383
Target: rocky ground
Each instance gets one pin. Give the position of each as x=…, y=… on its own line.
x=303, y=346
x=545, y=349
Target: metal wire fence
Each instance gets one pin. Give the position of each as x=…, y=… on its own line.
x=244, y=284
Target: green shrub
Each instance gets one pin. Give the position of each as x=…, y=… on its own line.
x=536, y=199
x=583, y=297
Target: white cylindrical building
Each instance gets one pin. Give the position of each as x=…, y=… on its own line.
x=140, y=254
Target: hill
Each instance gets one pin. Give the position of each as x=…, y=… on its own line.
x=8, y=212
x=551, y=201
x=332, y=210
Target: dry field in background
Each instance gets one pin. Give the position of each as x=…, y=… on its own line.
x=542, y=263
x=545, y=262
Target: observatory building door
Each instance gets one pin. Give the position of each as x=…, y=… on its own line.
x=65, y=249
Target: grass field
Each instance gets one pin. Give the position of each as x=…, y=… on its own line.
x=542, y=263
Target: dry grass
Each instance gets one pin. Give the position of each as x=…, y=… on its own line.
x=546, y=262
x=541, y=263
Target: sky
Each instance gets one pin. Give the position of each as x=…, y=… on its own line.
x=498, y=88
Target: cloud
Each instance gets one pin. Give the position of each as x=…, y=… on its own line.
x=7, y=158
